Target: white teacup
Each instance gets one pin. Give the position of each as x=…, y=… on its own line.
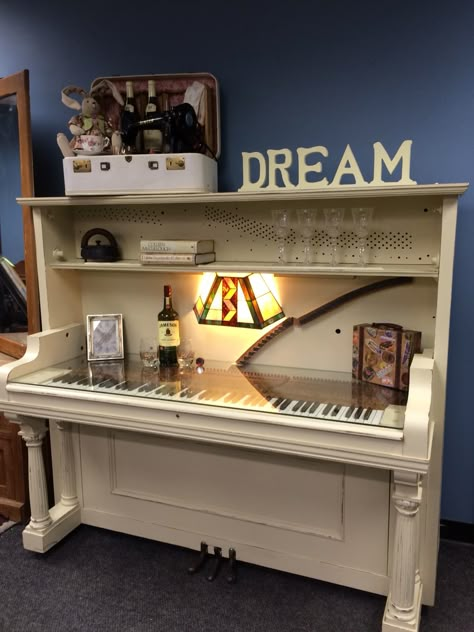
x=94, y=143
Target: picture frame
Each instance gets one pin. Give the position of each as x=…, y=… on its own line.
x=104, y=337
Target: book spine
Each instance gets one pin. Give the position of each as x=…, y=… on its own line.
x=165, y=257
x=165, y=246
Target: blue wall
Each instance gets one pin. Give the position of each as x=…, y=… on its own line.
x=291, y=74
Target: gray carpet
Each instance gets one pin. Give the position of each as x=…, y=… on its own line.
x=97, y=580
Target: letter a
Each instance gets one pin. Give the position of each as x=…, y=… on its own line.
x=348, y=166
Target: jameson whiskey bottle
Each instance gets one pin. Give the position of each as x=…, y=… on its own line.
x=152, y=138
x=168, y=332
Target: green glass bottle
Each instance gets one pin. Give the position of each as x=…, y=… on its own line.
x=168, y=332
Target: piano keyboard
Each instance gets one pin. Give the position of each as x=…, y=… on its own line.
x=235, y=391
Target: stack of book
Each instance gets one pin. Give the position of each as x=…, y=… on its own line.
x=177, y=251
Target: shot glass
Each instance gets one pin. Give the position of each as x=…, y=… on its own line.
x=148, y=352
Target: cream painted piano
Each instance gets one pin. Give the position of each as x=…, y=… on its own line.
x=347, y=493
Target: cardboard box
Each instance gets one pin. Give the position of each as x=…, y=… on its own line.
x=382, y=354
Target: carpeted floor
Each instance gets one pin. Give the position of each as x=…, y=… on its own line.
x=99, y=581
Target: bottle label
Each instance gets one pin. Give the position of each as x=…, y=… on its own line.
x=129, y=108
x=151, y=107
x=168, y=333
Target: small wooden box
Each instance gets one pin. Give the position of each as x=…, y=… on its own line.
x=382, y=354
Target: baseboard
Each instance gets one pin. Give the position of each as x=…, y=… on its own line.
x=459, y=531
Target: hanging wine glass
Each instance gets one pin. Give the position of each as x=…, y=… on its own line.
x=333, y=221
x=281, y=223
x=307, y=226
x=362, y=219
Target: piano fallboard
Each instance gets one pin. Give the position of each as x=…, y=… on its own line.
x=276, y=391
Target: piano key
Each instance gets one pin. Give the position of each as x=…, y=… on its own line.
x=367, y=414
x=297, y=406
x=327, y=409
x=349, y=412
x=305, y=406
x=284, y=405
x=358, y=413
x=313, y=408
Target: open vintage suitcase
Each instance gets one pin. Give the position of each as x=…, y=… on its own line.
x=151, y=173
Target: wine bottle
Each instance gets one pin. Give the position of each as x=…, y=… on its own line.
x=152, y=138
x=168, y=332
x=129, y=118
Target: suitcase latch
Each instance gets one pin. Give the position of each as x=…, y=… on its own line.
x=81, y=166
x=153, y=164
x=105, y=166
x=175, y=163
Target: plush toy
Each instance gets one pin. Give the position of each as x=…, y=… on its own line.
x=90, y=122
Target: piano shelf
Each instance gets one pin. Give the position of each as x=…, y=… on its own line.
x=289, y=269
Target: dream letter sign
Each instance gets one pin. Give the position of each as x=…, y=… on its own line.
x=279, y=161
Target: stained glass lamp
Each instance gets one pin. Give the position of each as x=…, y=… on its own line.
x=237, y=301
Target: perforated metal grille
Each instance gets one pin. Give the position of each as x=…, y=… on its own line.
x=248, y=234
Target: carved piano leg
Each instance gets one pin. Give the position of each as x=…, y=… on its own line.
x=33, y=432
x=403, y=608
x=47, y=527
x=68, y=473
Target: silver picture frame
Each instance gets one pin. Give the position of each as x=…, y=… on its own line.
x=104, y=337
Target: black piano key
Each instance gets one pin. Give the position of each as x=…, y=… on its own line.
x=278, y=401
x=298, y=405
x=147, y=387
x=305, y=406
x=83, y=382
x=358, y=413
x=367, y=414
x=285, y=403
x=327, y=409
x=349, y=412
x=336, y=410
x=108, y=383
x=313, y=408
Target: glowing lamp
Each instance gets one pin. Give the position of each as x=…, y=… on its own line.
x=237, y=301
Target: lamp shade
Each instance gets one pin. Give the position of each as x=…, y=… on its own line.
x=237, y=301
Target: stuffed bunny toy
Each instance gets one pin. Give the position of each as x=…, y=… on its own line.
x=91, y=121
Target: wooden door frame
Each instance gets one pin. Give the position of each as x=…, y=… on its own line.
x=18, y=85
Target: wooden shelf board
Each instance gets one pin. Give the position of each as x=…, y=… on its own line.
x=390, y=270
x=346, y=191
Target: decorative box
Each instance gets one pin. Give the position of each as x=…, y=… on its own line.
x=382, y=354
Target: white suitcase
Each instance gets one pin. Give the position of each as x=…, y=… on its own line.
x=108, y=174
x=140, y=173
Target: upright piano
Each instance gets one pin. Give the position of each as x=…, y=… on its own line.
x=284, y=458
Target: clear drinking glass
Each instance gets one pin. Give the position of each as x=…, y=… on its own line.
x=362, y=220
x=333, y=218
x=307, y=226
x=148, y=351
x=281, y=223
x=185, y=353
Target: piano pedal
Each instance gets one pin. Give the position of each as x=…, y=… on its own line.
x=232, y=573
x=217, y=561
x=203, y=555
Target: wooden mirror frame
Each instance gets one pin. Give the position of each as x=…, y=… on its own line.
x=18, y=85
